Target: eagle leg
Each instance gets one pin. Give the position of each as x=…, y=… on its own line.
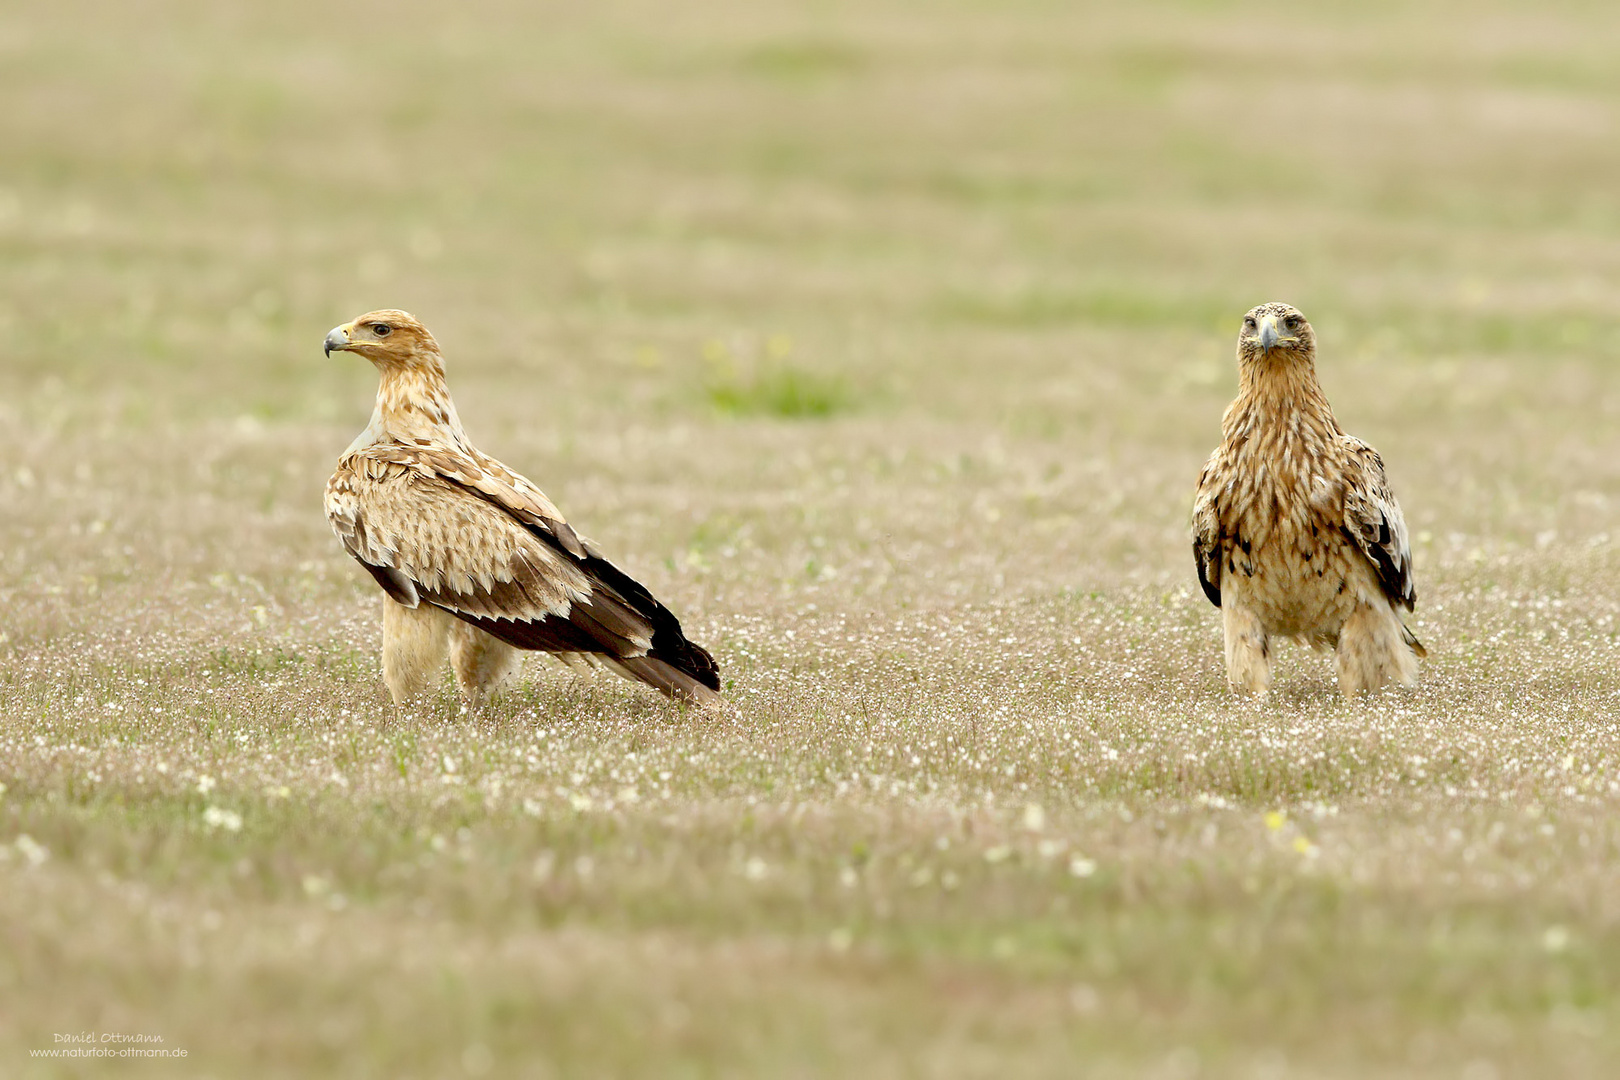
x=483, y=664
x=1248, y=650
x=1373, y=651
x=415, y=642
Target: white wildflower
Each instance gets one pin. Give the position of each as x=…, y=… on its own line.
x=30, y=849
x=216, y=817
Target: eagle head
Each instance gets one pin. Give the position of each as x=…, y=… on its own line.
x=1276, y=331
x=388, y=338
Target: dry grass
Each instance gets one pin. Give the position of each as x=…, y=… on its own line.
x=884, y=344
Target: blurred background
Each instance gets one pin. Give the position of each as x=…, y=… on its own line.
x=810, y=208
x=884, y=342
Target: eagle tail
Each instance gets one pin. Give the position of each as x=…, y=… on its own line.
x=670, y=647
x=660, y=675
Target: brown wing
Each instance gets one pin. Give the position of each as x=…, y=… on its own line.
x=432, y=525
x=1372, y=518
x=1206, y=527
x=490, y=479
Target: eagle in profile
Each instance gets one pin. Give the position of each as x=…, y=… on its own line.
x=476, y=562
x=1295, y=531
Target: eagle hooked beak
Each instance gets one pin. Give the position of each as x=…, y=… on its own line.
x=337, y=339
x=1268, y=333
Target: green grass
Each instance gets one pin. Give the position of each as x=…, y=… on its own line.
x=884, y=345
x=780, y=391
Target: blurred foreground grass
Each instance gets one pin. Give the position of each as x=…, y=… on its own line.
x=884, y=343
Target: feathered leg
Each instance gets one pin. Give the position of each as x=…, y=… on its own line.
x=415, y=641
x=1248, y=650
x=1373, y=651
x=482, y=664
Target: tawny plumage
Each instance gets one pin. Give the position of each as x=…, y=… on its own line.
x=476, y=562
x=1295, y=531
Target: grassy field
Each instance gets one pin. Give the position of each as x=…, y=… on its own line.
x=884, y=341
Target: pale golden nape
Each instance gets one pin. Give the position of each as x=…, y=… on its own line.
x=476, y=564
x=1295, y=531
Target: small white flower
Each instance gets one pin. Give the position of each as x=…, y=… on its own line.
x=216, y=817
x=30, y=849
x=205, y=784
x=1082, y=867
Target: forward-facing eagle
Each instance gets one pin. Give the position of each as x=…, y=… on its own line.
x=1295, y=531
x=476, y=562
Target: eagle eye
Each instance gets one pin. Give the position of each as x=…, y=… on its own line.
x=381, y=329
x=1292, y=322
x=1248, y=322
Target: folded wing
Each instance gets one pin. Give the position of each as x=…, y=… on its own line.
x=1372, y=518
x=1206, y=528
